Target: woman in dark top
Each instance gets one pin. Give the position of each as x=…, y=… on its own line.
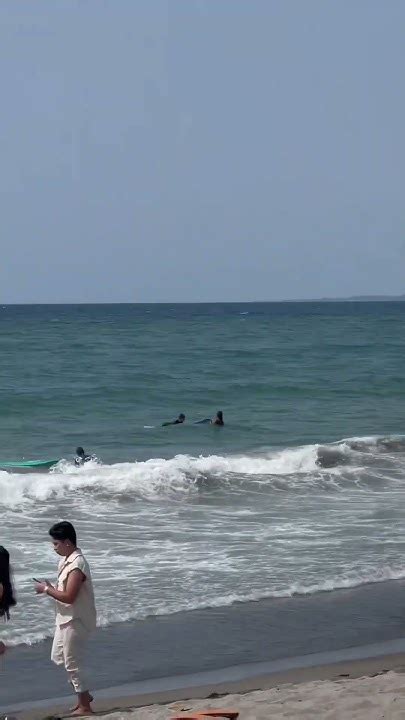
x=7, y=599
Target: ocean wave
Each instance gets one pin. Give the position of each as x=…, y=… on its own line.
x=346, y=581
x=107, y=616
x=182, y=475
x=349, y=450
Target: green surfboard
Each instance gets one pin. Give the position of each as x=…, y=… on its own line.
x=27, y=464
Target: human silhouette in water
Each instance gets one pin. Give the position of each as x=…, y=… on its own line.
x=178, y=421
x=217, y=420
x=81, y=457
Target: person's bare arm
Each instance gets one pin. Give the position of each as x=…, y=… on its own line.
x=67, y=596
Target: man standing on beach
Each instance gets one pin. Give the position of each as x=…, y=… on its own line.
x=75, y=610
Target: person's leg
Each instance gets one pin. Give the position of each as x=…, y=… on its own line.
x=75, y=637
x=57, y=654
x=57, y=647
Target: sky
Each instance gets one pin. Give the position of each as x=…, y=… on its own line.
x=201, y=150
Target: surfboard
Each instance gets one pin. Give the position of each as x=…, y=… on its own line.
x=27, y=464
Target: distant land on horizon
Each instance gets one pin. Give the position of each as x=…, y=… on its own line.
x=351, y=298
x=359, y=298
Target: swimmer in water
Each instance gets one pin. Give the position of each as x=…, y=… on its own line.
x=179, y=421
x=218, y=419
x=81, y=457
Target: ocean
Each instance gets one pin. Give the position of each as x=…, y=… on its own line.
x=300, y=495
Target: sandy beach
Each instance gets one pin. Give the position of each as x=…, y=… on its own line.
x=371, y=689
x=367, y=697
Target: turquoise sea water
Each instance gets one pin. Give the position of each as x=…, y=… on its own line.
x=301, y=491
x=284, y=374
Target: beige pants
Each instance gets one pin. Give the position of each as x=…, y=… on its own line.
x=68, y=648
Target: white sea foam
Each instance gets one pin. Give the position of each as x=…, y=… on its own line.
x=170, y=535
x=159, y=477
x=110, y=615
x=152, y=478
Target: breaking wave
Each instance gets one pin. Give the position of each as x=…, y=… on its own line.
x=293, y=468
x=269, y=524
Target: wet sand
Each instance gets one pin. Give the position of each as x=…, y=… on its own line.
x=363, y=689
x=255, y=638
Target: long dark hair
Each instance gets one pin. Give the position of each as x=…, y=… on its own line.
x=7, y=599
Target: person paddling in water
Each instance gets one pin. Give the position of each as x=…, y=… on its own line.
x=178, y=421
x=218, y=419
x=81, y=457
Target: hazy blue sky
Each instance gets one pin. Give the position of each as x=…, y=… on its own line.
x=181, y=150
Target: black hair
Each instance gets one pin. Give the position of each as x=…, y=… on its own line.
x=7, y=599
x=79, y=451
x=63, y=531
x=182, y=416
x=220, y=415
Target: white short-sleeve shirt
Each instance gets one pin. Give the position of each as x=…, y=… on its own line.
x=84, y=607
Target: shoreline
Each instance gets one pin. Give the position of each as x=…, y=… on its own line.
x=218, y=645
x=368, y=661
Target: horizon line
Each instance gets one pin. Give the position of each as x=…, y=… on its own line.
x=349, y=298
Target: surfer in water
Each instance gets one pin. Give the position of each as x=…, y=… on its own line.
x=81, y=457
x=217, y=420
x=179, y=421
